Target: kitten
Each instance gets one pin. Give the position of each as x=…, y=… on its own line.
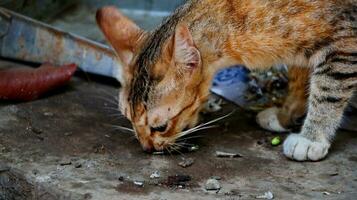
x=167, y=73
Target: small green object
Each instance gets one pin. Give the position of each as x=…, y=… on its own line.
x=276, y=141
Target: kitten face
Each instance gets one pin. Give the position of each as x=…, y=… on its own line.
x=160, y=92
x=168, y=110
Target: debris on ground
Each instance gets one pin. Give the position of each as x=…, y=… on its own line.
x=65, y=162
x=155, y=174
x=326, y=193
x=186, y=162
x=222, y=154
x=139, y=183
x=121, y=178
x=77, y=165
x=178, y=180
x=216, y=177
x=276, y=141
x=266, y=195
x=68, y=134
x=212, y=184
x=36, y=130
x=99, y=148
x=48, y=114
x=158, y=153
x=193, y=148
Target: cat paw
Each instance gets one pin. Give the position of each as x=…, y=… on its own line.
x=268, y=119
x=300, y=148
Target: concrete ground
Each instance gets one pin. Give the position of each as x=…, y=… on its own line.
x=65, y=146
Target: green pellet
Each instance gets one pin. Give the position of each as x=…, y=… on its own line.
x=276, y=141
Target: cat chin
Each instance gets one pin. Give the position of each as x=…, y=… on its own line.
x=300, y=148
x=268, y=120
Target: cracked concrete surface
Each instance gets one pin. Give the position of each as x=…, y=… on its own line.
x=64, y=146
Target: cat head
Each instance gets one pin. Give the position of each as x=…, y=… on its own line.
x=163, y=83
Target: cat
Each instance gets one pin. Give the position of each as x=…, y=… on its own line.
x=167, y=73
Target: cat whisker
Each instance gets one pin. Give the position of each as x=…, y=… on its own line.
x=193, y=130
x=168, y=150
x=108, y=100
x=188, y=138
x=112, y=108
x=123, y=128
x=202, y=126
x=175, y=148
x=110, y=94
x=119, y=115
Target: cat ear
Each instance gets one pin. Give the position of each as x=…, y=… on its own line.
x=185, y=51
x=122, y=33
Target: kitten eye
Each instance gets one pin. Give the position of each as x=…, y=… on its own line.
x=161, y=128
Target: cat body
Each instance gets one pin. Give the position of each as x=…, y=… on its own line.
x=167, y=73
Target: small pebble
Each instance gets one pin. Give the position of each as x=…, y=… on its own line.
x=212, y=184
x=35, y=171
x=194, y=148
x=68, y=134
x=65, y=162
x=186, y=162
x=276, y=141
x=326, y=193
x=48, y=114
x=87, y=196
x=139, y=183
x=78, y=165
x=216, y=177
x=267, y=195
x=36, y=130
x=155, y=174
x=158, y=153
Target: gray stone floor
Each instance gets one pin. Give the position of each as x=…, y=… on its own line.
x=64, y=146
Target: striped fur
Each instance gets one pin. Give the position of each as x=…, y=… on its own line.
x=318, y=35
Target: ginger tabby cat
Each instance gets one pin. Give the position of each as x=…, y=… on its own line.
x=167, y=73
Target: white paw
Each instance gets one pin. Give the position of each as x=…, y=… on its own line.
x=268, y=119
x=299, y=148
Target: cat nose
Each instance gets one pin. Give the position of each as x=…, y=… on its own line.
x=148, y=149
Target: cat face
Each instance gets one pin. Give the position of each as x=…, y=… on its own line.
x=162, y=84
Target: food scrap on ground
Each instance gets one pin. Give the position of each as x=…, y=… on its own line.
x=155, y=174
x=222, y=154
x=267, y=195
x=186, y=162
x=139, y=183
x=29, y=84
x=276, y=141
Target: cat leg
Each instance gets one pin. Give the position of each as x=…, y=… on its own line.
x=294, y=107
x=332, y=85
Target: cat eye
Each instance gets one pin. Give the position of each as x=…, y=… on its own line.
x=161, y=128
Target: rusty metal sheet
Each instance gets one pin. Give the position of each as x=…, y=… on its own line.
x=23, y=38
